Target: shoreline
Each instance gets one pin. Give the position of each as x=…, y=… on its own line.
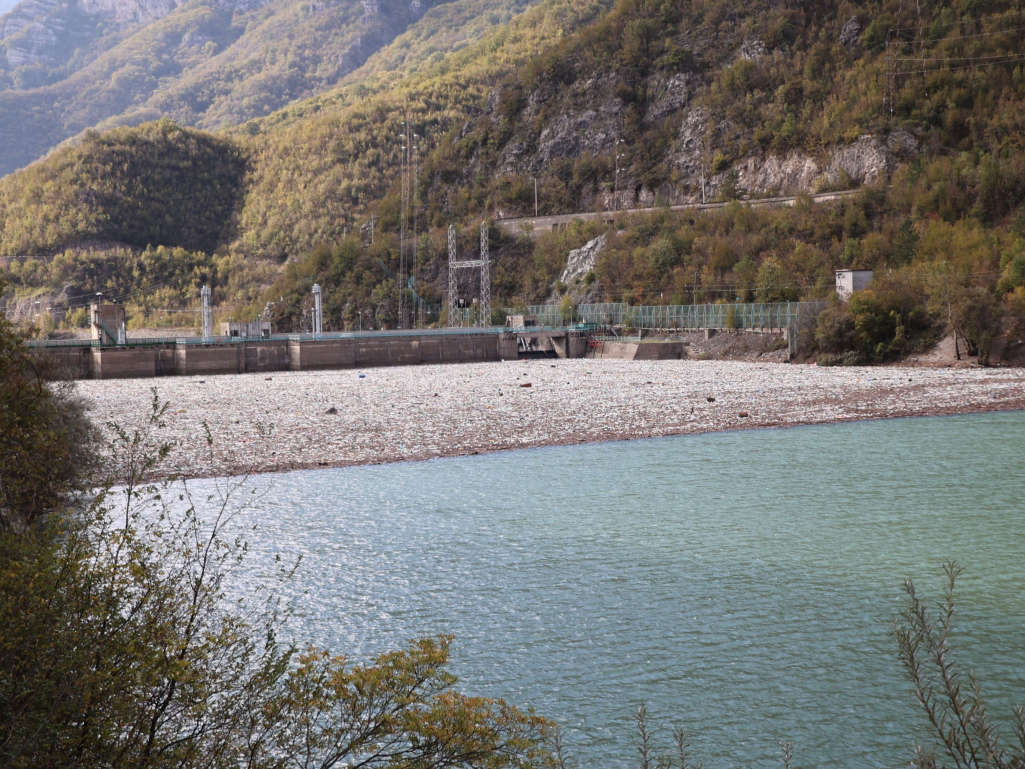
x=1020, y=406
x=312, y=420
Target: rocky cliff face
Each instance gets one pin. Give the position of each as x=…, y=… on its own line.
x=588, y=117
x=130, y=11
x=583, y=260
x=580, y=262
x=705, y=107
x=867, y=160
x=31, y=34
x=39, y=38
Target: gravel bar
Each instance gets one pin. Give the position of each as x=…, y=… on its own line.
x=290, y=420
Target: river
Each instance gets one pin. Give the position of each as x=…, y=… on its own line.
x=743, y=585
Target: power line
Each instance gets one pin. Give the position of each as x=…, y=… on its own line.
x=960, y=67
x=945, y=38
x=957, y=58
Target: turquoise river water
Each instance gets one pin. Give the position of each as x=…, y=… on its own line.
x=743, y=585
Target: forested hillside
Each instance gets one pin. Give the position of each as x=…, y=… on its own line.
x=206, y=64
x=649, y=102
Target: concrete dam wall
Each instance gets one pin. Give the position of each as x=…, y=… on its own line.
x=192, y=357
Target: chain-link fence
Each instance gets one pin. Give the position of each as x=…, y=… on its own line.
x=763, y=316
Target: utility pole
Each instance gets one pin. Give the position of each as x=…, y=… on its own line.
x=705, y=151
x=403, y=208
x=485, y=276
x=418, y=310
x=208, y=313
x=453, y=284
x=615, y=188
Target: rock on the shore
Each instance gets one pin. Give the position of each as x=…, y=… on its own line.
x=401, y=413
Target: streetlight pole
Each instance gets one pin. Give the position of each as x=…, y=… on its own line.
x=615, y=188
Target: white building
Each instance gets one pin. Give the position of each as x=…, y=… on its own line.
x=251, y=329
x=849, y=281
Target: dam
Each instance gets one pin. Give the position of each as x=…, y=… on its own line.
x=190, y=356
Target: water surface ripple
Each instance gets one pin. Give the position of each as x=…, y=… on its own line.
x=743, y=584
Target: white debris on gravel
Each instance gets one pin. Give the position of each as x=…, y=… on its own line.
x=283, y=420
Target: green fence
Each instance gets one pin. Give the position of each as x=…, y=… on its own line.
x=776, y=316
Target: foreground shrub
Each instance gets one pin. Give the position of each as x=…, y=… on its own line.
x=125, y=643
x=952, y=701
x=124, y=646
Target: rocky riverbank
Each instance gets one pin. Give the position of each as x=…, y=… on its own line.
x=287, y=420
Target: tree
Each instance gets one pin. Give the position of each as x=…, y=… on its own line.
x=45, y=439
x=975, y=314
x=566, y=308
x=952, y=701
x=122, y=648
x=773, y=284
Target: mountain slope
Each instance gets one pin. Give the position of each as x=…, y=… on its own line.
x=320, y=165
x=313, y=167
x=157, y=184
x=643, y=101
x=204, y=63
x=658, y=102
x=43, y=41
x=773, y=98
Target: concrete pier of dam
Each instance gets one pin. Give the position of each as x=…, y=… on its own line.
x=192, y=356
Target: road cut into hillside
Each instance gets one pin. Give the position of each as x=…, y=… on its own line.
x=291, y=420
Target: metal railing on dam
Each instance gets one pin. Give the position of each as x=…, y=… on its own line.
x=551, y=331
x=794, y=319
x=327, y=335
x=776, y=316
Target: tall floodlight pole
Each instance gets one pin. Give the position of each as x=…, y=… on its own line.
x=403, y=208
x=485, y=276
x=208, y=313
x=418, y=310
x=318, y=311
x=615, y=186
x=453, y=285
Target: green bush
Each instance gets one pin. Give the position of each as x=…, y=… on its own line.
x=834, y=330
x=730, y=321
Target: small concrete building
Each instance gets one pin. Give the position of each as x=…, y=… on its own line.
x=520, y=321
x=108, y=322
x=849, y=281
x=247, y=329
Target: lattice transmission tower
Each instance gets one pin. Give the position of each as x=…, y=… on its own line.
x=454, y=265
